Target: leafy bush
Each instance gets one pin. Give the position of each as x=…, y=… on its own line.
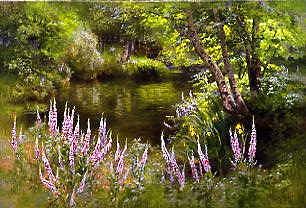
x=142, y=66
x=278, y=93
x=38, y=35
x=111, y=65
x=83, y=57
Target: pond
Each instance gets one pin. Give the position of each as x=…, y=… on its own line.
x=132, y=109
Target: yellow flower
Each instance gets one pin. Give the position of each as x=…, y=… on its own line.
x=192, y=131
x=239, y=128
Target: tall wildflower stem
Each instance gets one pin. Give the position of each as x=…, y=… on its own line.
x=14, y=142
x=235, y=147
x=172, y=167
x=193, y=167
x=204, y=158
x=252, y=145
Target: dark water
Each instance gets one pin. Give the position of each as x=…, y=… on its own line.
x=133, y=109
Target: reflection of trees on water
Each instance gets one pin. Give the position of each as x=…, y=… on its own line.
x=95, y=96
x=132, y=109
x=123, y=102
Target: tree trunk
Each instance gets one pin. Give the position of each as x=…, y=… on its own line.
x=240, y=104
x=227, y=97
x=127, y=52
x=254, y=73
x=252, y=59
x=254, y=69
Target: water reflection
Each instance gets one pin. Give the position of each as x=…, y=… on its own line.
x=132, y=109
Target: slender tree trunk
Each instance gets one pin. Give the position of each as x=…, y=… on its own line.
x=252, y=59
x=127, y=52
x=254, y=70
x=254, y=73
x=227, y=98
x=241, y=106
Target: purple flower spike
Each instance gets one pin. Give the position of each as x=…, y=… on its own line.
x=65, y=122
x=102, y=131
x=76, y=135
x=235, y=147
x=121, y=172
x=47, y=166
x=14, y=142
x=82, y=184
x=54, y=116
x=176, y=170
x=73, y=145
x=52, y=123
x=71, y=118
x=81, y=142
x=120, y=165
x=172, y=167
x=187, y=106
x=193, y=167
x=70, y=126
x=98, y=155
x=200, y=170
x=164, y=149
x=166, y=156
x=108, y=146
x=86, y=140
x=252, y=147
x=38, y=119
x=117, y=153
x=71, y=157
x=48, y=184
x=144, y=158
x=204, y=158
x=36, y=150
x=21, y=137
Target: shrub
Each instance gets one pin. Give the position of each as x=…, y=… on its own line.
x=142, y=67
x=38, y=35
x=111, y=64
x=83, y=57
x=278, y=92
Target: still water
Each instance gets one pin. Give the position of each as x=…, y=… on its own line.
x=133, y=109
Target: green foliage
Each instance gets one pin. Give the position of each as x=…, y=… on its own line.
x=278, y=93
x=281, y=38
x=143, y=66
x=39, y=37
x=111, y=64
x=38, y=34
x=83, y=57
